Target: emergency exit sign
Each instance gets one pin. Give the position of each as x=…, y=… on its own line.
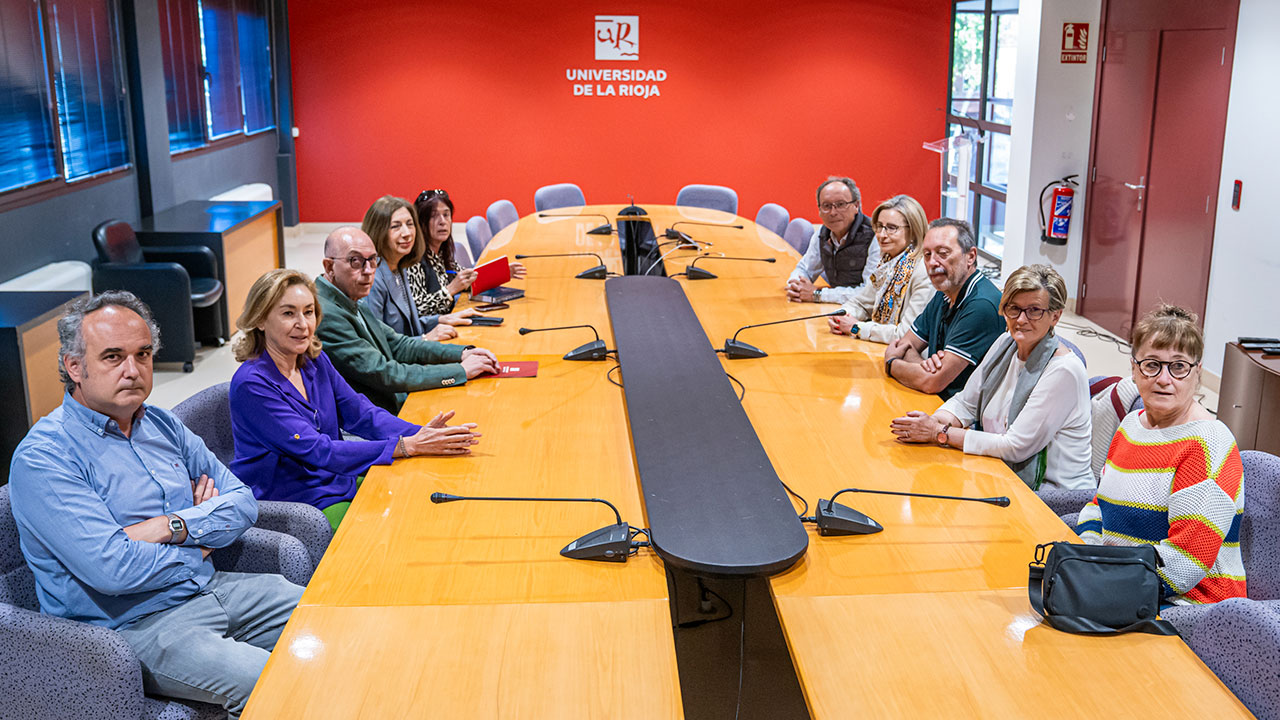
x=1075, y=42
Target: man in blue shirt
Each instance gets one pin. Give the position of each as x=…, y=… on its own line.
x=118, y=506
x=955, y=330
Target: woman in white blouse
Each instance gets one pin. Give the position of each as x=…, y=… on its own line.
x=882, y=310
x=1028, y=402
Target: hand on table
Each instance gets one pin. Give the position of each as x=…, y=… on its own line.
x=439, y=438
x=841, y=325
x=442, y=331
x=916, y=427
x=478, y=361
x=461, y=317
x=800, y=290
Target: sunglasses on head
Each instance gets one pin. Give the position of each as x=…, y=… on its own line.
x=431, y=195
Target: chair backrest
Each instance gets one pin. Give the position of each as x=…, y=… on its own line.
x=117, y=243
x=712, y=197
x=798, y=234
x=208, y=414
x=550, y=197
x=478, y=235
x=462, y=254
x=1260, y=524
x=1239, y=640
x=500, y=214
x=17, y=584
x=773, y=216
x=1073, y=348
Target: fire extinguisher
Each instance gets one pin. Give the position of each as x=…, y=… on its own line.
x=1063, y=199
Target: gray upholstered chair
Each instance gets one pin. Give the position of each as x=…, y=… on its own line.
x=799, y=233
x=1062, y=501
x=1074, y=348
x=462, y=253
x=773, y=216
x=478, y=236
x=59, y=668
x=712, y=197
x=1239, y=640
x=550, y=197
x=500, y=214
x=208, y=415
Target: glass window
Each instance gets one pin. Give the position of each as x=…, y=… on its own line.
x=1004, y=49
x=255, y=64
x=966, y=58
x=990, y=225
x=183, y=87
x=996, y=166
x=88, y=85
x=27, y=147
x=222, y=72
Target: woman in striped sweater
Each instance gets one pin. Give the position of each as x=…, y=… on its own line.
x=1173, y=477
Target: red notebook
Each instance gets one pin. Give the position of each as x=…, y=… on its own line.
x=491, y=275
x=515, y=368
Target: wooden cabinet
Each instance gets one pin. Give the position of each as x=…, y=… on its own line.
x=1249, y=401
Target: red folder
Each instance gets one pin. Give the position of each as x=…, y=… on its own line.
x=515, y=369
x=491, y=274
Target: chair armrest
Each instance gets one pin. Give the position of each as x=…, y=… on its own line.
x=266, y=551
x=1062, y=501
x=53, y=667
x=300, y=520
x=198, y=260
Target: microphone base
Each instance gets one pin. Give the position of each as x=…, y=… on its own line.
x=594, y=350
x=599, y=272
x=608, y=544
x=836, y=519
x=605, y=229
x=693, y=272
x=737, y=350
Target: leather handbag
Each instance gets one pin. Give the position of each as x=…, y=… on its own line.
x=1097, y=589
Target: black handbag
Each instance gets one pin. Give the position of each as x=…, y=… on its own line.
x=1097, y=589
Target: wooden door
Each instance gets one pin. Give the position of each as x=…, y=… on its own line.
x=1159, y=123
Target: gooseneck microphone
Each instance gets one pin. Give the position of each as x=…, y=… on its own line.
x=735, y=350
x=605, y=229
x=705, y=224
x=833, y=518
x=599, y=272
x=697, y=273
x=594, y=350
x=608, y=544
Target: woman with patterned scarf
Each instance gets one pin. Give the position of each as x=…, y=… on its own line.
x=882, y=310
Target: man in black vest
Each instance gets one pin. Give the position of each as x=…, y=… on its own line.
x=843, y=250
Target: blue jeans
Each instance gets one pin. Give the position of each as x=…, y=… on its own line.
x=212, y=647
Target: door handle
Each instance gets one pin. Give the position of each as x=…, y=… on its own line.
x=1140, y=187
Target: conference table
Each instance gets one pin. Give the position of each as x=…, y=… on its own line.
x=466, y=609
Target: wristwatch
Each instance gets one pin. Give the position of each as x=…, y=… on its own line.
x=853, y=331
x=176, y=526
x=943, y=438
x=888, y=366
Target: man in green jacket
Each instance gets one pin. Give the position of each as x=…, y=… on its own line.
x=377, y=361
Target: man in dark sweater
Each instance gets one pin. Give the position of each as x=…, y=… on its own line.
x=843, y=250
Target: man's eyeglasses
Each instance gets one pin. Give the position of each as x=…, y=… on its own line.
x=357, y=262
x=1033, y=313
x=426, y=195
x=835, y=206
x=1178, y=369
x=886, y=229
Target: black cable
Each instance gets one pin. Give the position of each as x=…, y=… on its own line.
x=797, y=496
x=742, y=650
x=739, y=382
x=609, y=376
x=1088, y=332
x=676, y=275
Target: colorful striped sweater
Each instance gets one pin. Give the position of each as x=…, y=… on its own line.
x=1182, y=490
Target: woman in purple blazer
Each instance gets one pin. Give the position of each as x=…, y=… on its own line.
x=289, y=408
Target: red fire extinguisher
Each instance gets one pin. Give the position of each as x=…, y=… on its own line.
x=1061, y=205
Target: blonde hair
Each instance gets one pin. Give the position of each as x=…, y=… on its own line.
x=1169, y=327
x=1031, y=278
x=265, y=294
x=917, y=221
x=377, y=225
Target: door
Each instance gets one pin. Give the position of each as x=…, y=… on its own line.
x=1159, y=123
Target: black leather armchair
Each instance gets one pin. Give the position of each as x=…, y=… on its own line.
x=179, y=283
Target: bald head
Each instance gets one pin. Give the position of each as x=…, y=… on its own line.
x=349, y=261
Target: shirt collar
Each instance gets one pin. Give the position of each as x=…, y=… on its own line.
x=328, y=289
x=968, y=286
x=94, y=420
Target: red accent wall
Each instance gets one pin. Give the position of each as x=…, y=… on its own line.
x=768, y=98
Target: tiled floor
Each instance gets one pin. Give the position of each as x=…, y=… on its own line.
x=304, y=248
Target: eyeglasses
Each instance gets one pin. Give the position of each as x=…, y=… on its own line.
x=1150, y=367
x=357, y=262
x=886, y=229
x=1033, y=313
x=835, y=206
x=432, y=195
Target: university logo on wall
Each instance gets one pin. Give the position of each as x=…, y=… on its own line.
x=617, y=37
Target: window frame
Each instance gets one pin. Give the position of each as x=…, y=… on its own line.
x=978, y=187
x=38, y=190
